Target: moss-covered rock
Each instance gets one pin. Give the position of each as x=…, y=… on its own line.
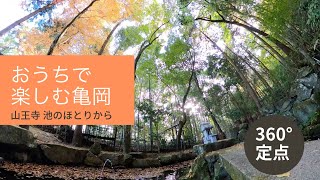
x=168, y=159
x=92, y=160
x=242, y=134
x=146, y=163
x=16, y=136
x=199, y=169
x=312, y=131
x=127, y=160
x=303, y=111
x=244, y=126
x=204, y=148
x=61, y=154
x=185, y=156
x=95, y=148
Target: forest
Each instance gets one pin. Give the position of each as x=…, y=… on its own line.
x=226, y=62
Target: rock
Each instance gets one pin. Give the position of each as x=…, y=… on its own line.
x=268, y=110
x=199, y=169
x=146, y=163
x=244, y=126
x=1, y=161
x=304, y=71
x=16, y=136
x=126, y=160
x=204, y=148
x=93, y=160
x=309, y=81
x=62, y=154
x=36, y=155
x=115, y=158
x=303, y=92
x=168, y=159
x=185, y=156
x=242, y=134
x=233, y=132
x=137, y=155
x=21, y=157
x=220, y=172
x=212, y=159
x=238, y=166
x=286, y=106
x=304, y=110
x=287, y=114
x=95, y=148
x=293, y=90
x=25, y=127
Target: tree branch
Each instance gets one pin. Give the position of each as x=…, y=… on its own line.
x=55, y=42
x=109, y=37
x=252, y=29
x=16, y=23
x=145, y=45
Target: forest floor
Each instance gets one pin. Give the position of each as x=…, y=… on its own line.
x=33, y=171
x=12, y=170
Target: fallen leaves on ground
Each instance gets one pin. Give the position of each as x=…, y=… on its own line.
x=82, y=172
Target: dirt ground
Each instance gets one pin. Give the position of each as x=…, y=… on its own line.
x=82, y=172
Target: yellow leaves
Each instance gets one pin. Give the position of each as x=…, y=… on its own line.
x=34, y=42
x=87, y=33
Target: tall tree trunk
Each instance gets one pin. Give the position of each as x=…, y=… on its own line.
x=221, y=134
x=197, y=132
x=143, y=47
x=18, y=22
x=150, y=120
x=115, y=133
x=184, y=119
x=127, y=140
x=253, y=94
x=77, y=136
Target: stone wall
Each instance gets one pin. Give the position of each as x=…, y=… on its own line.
x=301, y=102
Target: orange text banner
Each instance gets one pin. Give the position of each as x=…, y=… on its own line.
x=67, y=90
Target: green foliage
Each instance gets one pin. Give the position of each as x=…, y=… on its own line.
x=311, y=130
x=130, y=36
x=276, y=15
x=286, y=79
x=176, y=52
x=150, y=112
x=313, y=12
x=9, y=43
